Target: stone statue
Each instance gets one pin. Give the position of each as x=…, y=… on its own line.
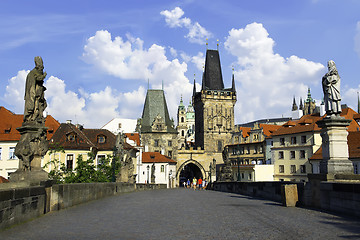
x=33, y=143
x=226, y=171
x=126, y=172
x=331, y=88
x=35, y=102
x=153, y=173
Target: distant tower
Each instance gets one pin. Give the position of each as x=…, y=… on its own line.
x=157, y=129
x=294, y=106
x=182, y=126
x=190, y=122
x=295, y=112
x=309, y=105
x=214, y=107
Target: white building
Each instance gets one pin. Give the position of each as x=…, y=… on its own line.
x=165, y=169
x=117, y=125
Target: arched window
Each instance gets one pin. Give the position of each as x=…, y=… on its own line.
x=182, y=119
x=182, y=133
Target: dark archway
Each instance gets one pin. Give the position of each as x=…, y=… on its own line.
x=189, y=171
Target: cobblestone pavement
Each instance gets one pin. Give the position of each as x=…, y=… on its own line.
x=185, y=214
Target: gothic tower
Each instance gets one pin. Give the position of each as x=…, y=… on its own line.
x=214, y=107
x=182, y=126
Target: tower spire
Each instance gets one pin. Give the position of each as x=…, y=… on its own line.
x=233, y=81
x=294, y=106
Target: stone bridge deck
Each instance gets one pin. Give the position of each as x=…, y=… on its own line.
x=185, y=214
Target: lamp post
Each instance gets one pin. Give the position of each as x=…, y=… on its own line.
x=238, y=165
x=148, y=167
x=170, y=179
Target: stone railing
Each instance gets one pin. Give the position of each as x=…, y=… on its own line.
x=19, y=204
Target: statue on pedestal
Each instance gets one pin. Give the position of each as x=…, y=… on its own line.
x=153, y=173
x=126, y=173
x=331, y=88
x=225, y=171
x=33, y=143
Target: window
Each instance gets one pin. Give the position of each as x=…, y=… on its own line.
x=302, y=168
x=292, y=154
x=71, y=137
x=281, y=168
x=292, y=169
x=256, y=137
x=0, y=152
x=156, y=142
x=293, y=140
x=250, y=176
x=170, y=154
x=247, y=150
x=101, y=159
x=282, y=141
x=255, y=149
x=281, y=155
x=162, y=168
x=272, y=143
x=302, y=153
x=261, y=149
x=69, y=161
x=182, y=133
x=242, y=150
x=101, y=139
x=356, y=169
x=182, y=119
x=242, y=175
x=169, y=143
x=303, y=139
x=12, y=153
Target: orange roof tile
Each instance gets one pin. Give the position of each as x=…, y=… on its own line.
x=307, y=123
x=156, y=157
x=3, y=180
x=245, y=131
x=353, y=140
x=134, y=137
x=9, y=121
x=269, y=129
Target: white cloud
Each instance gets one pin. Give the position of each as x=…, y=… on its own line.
x=15, y=91
x=357, y=39
x=199, y=61
x=174, y=19
x=267, y=80
x=173, y=51
x=128, y=60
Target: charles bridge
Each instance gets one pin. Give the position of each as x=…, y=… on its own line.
x=183, y=214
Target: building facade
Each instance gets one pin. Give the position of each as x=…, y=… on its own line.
x=186, y=125
x=157, y=131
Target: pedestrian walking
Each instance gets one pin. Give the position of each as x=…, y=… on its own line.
x=194, y=183
x=200, y=183
x=188, y=183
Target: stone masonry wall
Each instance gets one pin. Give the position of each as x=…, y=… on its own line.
x=21, y=204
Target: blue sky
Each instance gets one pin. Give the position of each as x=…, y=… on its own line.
x=99, y=56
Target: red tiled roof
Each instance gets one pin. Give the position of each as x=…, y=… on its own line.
x=3, y=180
x=84, y=138
x=269, y=129
x=134, y=137
x=155, y=157
x=9, y=121
x=353, y=140
x=245, y=131
x=307, y=123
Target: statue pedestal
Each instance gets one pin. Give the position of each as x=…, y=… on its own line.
x=335, y=151
x=30, y=149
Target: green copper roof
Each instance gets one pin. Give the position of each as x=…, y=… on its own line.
x=155, y=104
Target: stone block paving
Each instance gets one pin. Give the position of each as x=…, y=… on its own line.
x=185, y=214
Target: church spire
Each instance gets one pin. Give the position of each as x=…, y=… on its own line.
x=233, y=82
x=212, y=77
x=301, y=107
x=294, y=106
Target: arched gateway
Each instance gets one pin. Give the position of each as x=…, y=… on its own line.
x=190, y=169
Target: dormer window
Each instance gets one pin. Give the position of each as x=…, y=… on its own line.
x=101, y=139
x=71, y=137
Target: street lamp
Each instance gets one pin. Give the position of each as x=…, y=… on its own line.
x=148, y=168
x=210, y=167
x=170, y=178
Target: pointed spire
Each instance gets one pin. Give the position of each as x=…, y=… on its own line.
x=301, y=107
x=194, y=88
x=233, y=81
x=294, y=106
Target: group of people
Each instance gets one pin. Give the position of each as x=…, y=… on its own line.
x=196, y=183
